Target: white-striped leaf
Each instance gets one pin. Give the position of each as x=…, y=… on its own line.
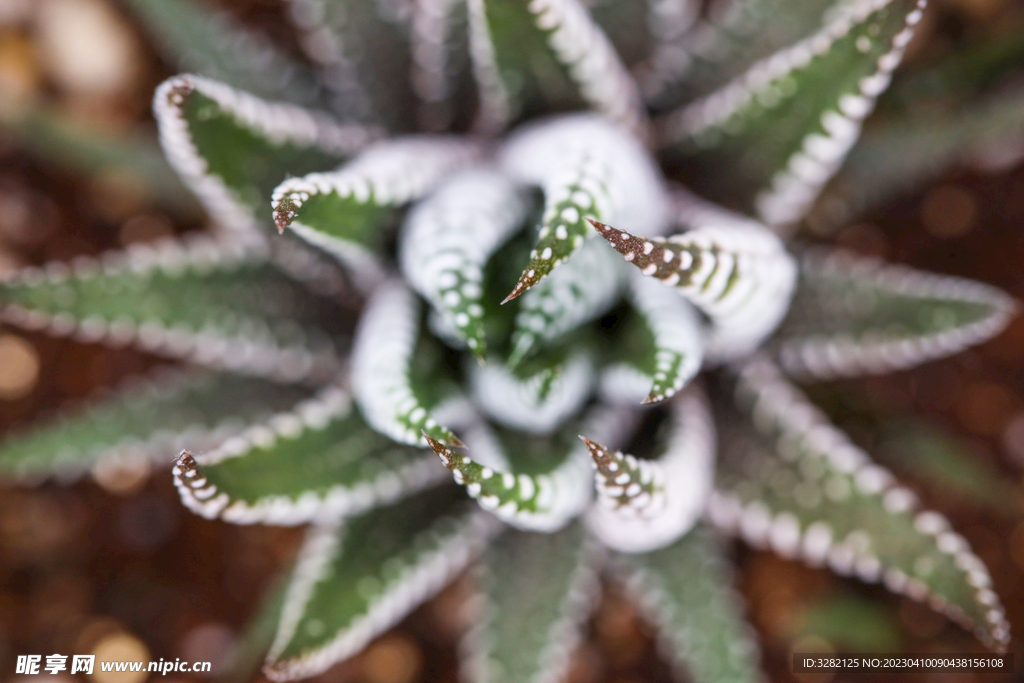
x=343, y=211
x=356, y=579
x=537, y=590
x=361, y=50
x=441, y=74
x=233, y=148
x=647, y=504
x=150, y=419
x=852, y=315
x=213, y=301
x=586, y=168
x=448, y=239
x=315, y=463
x=734, y=270
x=686, y=590
x=678, y=348
x=545, y=55
x=801, y=110
x=789, y=480
x=382, y=369
x=194, y=38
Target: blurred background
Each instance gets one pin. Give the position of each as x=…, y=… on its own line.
x=113, y=565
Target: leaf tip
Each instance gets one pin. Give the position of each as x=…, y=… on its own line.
x=284, y=213
x=185, y=465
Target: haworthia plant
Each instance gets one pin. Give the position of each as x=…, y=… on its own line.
x=351, y=420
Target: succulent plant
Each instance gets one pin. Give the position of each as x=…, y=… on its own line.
x=377, y=311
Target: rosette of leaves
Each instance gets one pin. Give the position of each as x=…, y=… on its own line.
x=519, y=290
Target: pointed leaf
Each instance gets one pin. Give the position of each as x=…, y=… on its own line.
x=448, y=239
x=734, y=270
x=790, y=480
x=852, y=315
x=315, y=463
x=233, y=148
x=581, y=290
x=151, y=419
x=214, y=44
x=648, y=504
x=801, y=109
x=678, y=345
x=355, y=580
x=342, y=211
x=381, y=368
x=686, y=590
x=545, y=55
x=362, y=50
x=206, y=300
x=537, y=591
x=586, y=168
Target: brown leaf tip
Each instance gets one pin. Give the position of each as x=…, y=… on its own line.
x=284, y=213
x=441, y=450
x=185, y=465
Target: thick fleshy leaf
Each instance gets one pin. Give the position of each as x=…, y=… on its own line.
x=132, y=156
x=586, y=168
x=801, y=110
x=315, y=463
x=196, y=38
x=905, y=152
x=734, y=270
x=789, y=480
x=354, y=580
x=852, y=315
x=686, y=590
x=648, y=504
x=149, y=419
x=361, y=48
x=233, y=148
x=382, y=369
x=441, y=75
x=535, y=502
x=537, y=397
x=545, y=55
x=581, y=290
x=342, y=211
x=537, y=590
x=448, y=239
x=678, y=347
x=211, y=301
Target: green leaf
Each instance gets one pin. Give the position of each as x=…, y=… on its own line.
x=543, y=501
x=342, y=211
x=195, y=38
x=789, y=480
x=233, y=148
x=581, y=290
x=361, y=48
x=212, y=301
x=904, y=152
x=150, y=418
x=851, y=315
x=132, y=155
x=547, y=55
x=355, y=580
x=770, y=139
x=537, y=591
x=648, y=504
x=734, y=270
x=687, y=591
x=586, y=169
x=382, y=369
x=853, y=623
x=315, y=463
x=675, y=330
x=448, y=239
x=537, y=397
